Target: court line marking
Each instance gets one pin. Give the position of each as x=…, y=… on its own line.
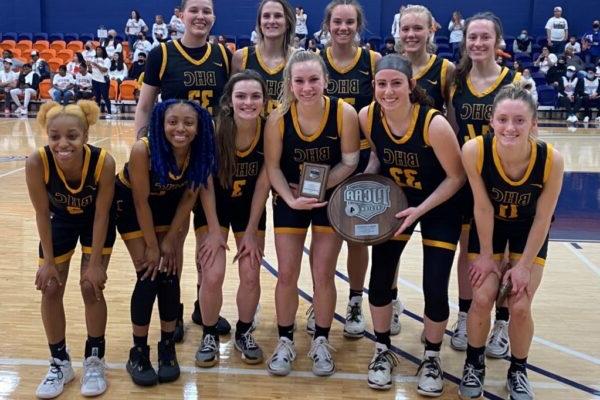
x=586, y=261
x=14, y=171
x=220, y=370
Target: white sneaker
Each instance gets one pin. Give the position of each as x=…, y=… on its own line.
x=24, y=111
x=256, y=319
x=397, y=309
x=355, y=322
x=431, y=375
x=459, y=333
x=310, y=320
x=323, y=364
x=18, y=110
x=586, y=119
x=598, y=119
x=59, y=374
x=280, y=362
x=381, y=367
x=93, y=381
x=498, y=343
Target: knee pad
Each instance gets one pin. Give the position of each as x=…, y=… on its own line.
x=380, y=297
x=168, y=296
x=142, y=300
x=437, y=265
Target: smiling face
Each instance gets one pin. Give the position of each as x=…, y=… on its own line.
x=198, y=17
x=272, y=20
x=414, y=32
x=66, y=137
x=513, y=122
x=343, y=24
x=181, y=125
x=308, y=82
x=247, y=99
x=481, y=40
x=392, y=89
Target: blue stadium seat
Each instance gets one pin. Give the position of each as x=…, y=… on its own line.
x=40, y=36
x=443, y=48
x=547, y=95
x=230, y=39
x=542, y=41
x=447, y=56
x=509, y=40
x=70, y=36
x=539, y=78
x=527, y=65
x=243, y=41
x=375, y=42
x=25, y=36
x=56, y=36
x=10, y=36
x=441, y=39
x=84, y=37
x=522, y=57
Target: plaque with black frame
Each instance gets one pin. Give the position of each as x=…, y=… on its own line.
x=313, y=181
x=363, y=209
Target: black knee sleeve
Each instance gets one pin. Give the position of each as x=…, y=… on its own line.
x=437, y=265
x=142, y=300
x=168, y=296
x=384, y=261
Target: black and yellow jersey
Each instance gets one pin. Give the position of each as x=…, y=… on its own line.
x=190, y=74
x=78, y=201
x=321, y=147
x=409, y=160
x=513, y=200
x=473, y=109
x=252, y=59
x=248, y=164
x=175, y=185
x=433, y=78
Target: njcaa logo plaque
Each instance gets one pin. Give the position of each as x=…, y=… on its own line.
x=366, y=199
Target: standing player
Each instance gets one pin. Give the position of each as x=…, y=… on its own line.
x=478, y=79
x=189, y=68
x=350, y=70
x=413, y=144
x=275, y=25
x=71, y=186
x=516, y=180
x=240, y=192
x=307, y=127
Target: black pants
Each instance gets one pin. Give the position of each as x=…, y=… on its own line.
x=588, y=104
x=572, y=107
x=101, y=91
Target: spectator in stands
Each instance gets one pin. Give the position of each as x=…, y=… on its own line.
x=160, y=31
x=27, y=86
x=118, y=69
x=389, y=47
x=556, y=72
x=16, y=64
x=591, y=93
x=135, y=25
x=176, y=26
x=323, y=37
x=39, y=65
x=63, y=86
x=545, y=60
x=396, y=26
x=312, y=46
x=592, y=39
x=529, y=84
x=222, y=40
x=570, y=93
x=522, y=44
x=83, y=84
x=73, y=65
x=574, y=60
x=573, y=45
x=141, y=45
x=88, y=53
x=366, y=46
x=112, y=44
x=138, y=67
x=301, y=28
x=296, y=43
x=100, y=80
x=8, y=81
x=456, y=27
x=557, y=31
x=517, y=67
x=254, y=37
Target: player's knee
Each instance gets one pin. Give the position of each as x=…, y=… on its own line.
x=53, y=292
x=213, y=279
x=250, y=278
x=88, y=293
x=520, y=310
x=483, y=300
x=168, y=296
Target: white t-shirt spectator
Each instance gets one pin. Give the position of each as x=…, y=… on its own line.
x=89, y=55
x=8, y=76
x=396, y=27
x=159, y=31
x=301, y=28
x=177, y=27
x=143, y=46
x=323, y=37
x=84, y=82
x=254, y=37
x=134, y=27
x=112, y=47
x=531, y=83
x=63, y=82
x=558, y=29
x=116, y=74
x=96, y=74
x=576, y=47
x=72, y=68
x=456, y=31
x=590, y=87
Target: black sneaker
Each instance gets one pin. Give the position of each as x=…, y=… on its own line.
x=518, y=386
x=140, y=368
x=168, y=368
x=223, y=327
x=179, y=329
x=471, y=384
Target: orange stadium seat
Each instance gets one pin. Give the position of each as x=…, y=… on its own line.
x=48, y=54
x=66, y=55
x=127, y=89
x=8, y=44
x=16, y=52
x=24, y=46
x=40, y=45
x=54, y=63
x=44, y=89
x=75, y=46
x=58, y=45
x=113, y=90
x=231, y=46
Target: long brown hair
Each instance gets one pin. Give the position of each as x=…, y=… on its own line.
x=402, y=64
x=226, y=129
x=290, y=20
x=360, y=14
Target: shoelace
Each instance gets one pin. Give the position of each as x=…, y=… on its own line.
x=497, y=333
x=354, y=313
x=382, y=358
x=287, y=348
x=321, y=349
x=432, y=368
x=53, y=375
x=249, y=341
x=167, y=353
x=521, y=383
x=93, y=369
x=471, y=378
x=460, y=326
x=209, y=343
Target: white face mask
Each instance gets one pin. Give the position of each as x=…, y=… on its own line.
x=591, y=76
x=570, y=74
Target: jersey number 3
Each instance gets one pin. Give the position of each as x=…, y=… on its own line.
x=237, y=188
x=405, y=177
x=203, y=97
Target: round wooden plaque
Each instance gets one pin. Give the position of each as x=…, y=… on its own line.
x=362, y=209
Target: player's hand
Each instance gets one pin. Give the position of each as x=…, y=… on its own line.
x=520, y=276
x=151, y=262
x=410, y=215
x=306, y=203
x=480, y=268
x=168, y=252
x=47, y=275
x=96, y=276
x=249, y=247
x=210, y=246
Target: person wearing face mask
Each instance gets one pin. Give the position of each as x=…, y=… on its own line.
x=112, y=44
x=529, y=84
x=138, y=67
x=570, y=93
x=522, y=44
x=592, y=38
x=591, y=93
x=160, y=30
x=573, y=45
x=141, y=45
x=89, y=53
x=556, y=72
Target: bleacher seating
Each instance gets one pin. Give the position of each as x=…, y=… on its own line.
x=56, y=36
x=25, y=36
x=547, y=95
x=39, y=36
x=69, y=37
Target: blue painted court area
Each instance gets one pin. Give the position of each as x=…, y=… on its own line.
x=578, y=210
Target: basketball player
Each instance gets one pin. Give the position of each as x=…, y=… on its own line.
x=478, y=79
x=413, y=144
x=350, y=70
x=71, y=186
x=307, y=127
x=516, y=180
x=241, y=193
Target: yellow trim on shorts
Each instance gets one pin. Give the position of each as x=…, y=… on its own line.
x=465, y=227
x=496, y=257
x=240, y=234
x=364, y=144
x=204, y=229
x=290, y=231
x=60, y=259
x=402, y=238
x=439, y=244
x=138, y=234
x=106, y=251
x=538, y=260
x=322, y=229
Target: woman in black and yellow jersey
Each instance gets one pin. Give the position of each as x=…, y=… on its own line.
x=155, y=193
x=307, y=127
x=477, y=80
x=71, y=186
x=275, y=25
x=351, y=70
x=516, y=180
x=413, y=144
x=241, y=191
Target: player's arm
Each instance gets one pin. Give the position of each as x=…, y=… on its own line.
x=448, y=82
x=213, y=242
x=363, y=118
x=104, y=199
x=236, y=61
x=350, y=143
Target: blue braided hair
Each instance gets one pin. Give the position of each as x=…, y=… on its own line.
x=203, y=161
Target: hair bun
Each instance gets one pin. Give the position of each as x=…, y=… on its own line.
x=90, y=110
x=43, y=112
